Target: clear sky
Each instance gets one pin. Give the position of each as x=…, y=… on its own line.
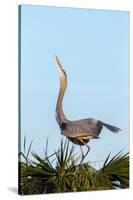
x=93, y=47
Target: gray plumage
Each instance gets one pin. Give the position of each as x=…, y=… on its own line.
x=79, y=131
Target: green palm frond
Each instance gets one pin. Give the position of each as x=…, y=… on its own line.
x=115, y=170
x=25, y=155
x=62, y=171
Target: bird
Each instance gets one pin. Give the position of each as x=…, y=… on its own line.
x=78, y=131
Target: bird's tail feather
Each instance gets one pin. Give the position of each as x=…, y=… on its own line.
x=111, y=128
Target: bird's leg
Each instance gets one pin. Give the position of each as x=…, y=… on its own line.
x=84, y=155
x=87, y=150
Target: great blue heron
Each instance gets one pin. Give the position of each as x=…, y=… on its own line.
x=79, y=131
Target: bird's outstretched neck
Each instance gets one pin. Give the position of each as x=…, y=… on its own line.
x=63, y=85
x=59, y=108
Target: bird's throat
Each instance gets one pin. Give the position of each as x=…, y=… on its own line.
x=59, y=108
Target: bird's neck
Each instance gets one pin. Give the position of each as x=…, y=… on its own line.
x=59, y=108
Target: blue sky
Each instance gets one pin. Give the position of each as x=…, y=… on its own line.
x=93, y=46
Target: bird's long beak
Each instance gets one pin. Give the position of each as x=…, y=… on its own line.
x=59, y=65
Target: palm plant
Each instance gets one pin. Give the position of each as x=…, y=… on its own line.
x=63, y=171
x=115, y=172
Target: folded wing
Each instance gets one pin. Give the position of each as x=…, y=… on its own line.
x=85, y=127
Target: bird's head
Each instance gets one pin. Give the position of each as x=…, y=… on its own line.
x=61, y=70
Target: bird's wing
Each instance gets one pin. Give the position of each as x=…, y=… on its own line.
x=84, y=127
